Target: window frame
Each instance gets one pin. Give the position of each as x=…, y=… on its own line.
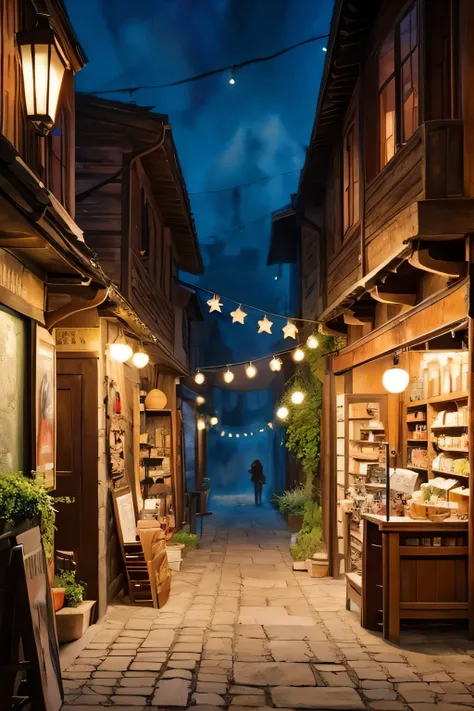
x=396, y=76
x=350, y=178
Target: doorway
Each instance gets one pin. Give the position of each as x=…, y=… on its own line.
x=77, y=462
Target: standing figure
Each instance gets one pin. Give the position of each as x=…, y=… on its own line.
x=258, y=480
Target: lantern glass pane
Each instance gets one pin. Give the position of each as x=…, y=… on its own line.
x=41, y=78
x=56, y=73
x=27, y=67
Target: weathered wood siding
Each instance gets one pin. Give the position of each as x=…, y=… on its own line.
x=151, y=304
x=344, y=269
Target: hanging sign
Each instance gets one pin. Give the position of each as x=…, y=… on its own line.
x=20, y=289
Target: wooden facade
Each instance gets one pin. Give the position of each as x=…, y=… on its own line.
x=386, y=208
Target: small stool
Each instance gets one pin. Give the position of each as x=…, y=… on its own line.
x=201, y=518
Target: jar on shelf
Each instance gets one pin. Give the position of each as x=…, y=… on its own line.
x=446, y=377
x=434, y=378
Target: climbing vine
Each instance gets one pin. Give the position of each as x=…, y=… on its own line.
x=303, y=424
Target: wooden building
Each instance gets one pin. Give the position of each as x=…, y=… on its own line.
x=386, y=204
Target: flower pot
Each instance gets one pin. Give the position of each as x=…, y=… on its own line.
x=58, y=598
x=295, y=521
x=72, y=622
x=318, y=565
x=174, y=552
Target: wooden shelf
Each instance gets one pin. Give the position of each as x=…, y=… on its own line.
x=448, y=427
x=448, y=397
x=422, y=551
x=359, y=419
x=365, y=441
x=452, y=449
x=450, y=474
x=417, y=441
x=157, y=412
x=363, y=457
x=372, y=429
x=420, y=469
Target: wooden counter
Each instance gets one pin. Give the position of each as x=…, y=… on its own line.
x=401, y=582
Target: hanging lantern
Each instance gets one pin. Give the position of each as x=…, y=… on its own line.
x=282, y=413
x=43, y=65
x=140, y=359
x=297, y=397
x=275, y=364
x=199, y=378
x=228, y=376
x=251, y=371
x=120, y=351
x=395, y=379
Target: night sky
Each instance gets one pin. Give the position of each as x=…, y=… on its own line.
x=225, y=135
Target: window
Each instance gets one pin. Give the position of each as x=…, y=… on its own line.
x=351, y=179
x=398, y=86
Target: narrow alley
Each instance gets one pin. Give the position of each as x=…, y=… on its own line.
x=241, y=629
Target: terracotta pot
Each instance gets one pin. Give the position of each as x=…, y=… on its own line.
x=156, y=400
x=295, y=521
x=58, y=598
x=318, y=565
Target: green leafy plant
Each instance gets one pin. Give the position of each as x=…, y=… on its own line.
x=74, y=591
x=292, y=501
x=190, y=540
x=23, y=498
x=310, y=539
x=303, y=424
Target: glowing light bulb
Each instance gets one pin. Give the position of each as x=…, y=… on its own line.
x=200, y=400
x=228, y=376
x=325, y=49
x=232, y=76
x=270, y=425
x=298, y=355
x=312, y=342
x=251, y=371
x=237, y=435
x=251, y=434
x=261, y=429
x=282, y=413
x=120, y=352
x=245, y=434
x=275, y=364
x=201, y=425
x=222, y=433
x=199, y=378
x=297, y=397
x=214, y=421
x=230, y=434
x=140, y=359
x=395, y=380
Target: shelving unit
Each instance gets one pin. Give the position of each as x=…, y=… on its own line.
x=156, y=426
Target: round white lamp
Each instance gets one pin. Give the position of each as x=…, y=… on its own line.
x=282, y=413
x=395, y=379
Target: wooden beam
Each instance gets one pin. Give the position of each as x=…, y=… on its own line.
x=421, y=259
x=390, y=297
x=352, y=319
x=75, y=305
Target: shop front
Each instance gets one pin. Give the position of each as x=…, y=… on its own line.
x=401, y=421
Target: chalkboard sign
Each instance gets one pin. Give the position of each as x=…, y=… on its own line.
x=126, y=520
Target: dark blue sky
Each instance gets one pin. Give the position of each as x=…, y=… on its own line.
x=226, y=135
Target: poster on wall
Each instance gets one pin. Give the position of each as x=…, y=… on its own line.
x=46, y=408
x=12, y=384
x=44, y=646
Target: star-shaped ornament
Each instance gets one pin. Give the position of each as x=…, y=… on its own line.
x=265, y=325
x=215, y=304
x=290, y=330
x=238, y=316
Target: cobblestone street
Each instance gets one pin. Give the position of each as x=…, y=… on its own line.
x=241, y=629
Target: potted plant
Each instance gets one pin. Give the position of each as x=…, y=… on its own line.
x=74, y=618
x=291, y=505
x=310, y=548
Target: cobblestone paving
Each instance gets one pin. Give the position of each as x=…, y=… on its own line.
x=242, y=630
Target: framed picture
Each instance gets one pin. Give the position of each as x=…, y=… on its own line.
x=45, y=404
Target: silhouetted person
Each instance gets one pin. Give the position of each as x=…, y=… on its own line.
x=258, y=480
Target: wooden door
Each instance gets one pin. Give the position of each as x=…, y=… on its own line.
x=77, y=462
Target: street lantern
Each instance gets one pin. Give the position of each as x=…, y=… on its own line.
x=43, y=65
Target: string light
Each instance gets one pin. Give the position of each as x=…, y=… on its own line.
x=214, y=421
x=251, y=371
x=201, y=425
x=298, y=355
x=140, y=359
x=222, y=433
x=275, y=364
x=297, y=397
x=270, y=425
x=245, y=434
x=251, y=434
x=237, y=435
x=199, y=378
x=282, y=413
x=228, y=376
x=200, y=400
x=312, y=342
x=230, y=434
x=232, y=76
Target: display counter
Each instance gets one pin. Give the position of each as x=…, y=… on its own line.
x=413, y=570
